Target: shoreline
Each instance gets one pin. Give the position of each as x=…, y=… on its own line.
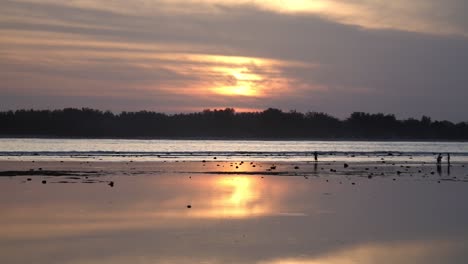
x=237, y=139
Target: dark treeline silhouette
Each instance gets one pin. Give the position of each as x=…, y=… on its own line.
x=226, y=123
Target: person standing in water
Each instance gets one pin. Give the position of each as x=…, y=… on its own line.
x=448, y=159
x=315, y=156
x=439, y=164
x=439, y=159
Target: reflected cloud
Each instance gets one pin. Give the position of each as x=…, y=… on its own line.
x=232, y=219
x=413, y=252
x=216, y=197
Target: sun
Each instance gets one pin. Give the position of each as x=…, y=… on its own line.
x=238, y=82
x=238, y=90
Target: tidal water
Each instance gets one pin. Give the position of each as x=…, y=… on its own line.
x=153, y=150
x=234, y=219
x=215, y=212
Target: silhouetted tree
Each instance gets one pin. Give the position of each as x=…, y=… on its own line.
x=224, y=123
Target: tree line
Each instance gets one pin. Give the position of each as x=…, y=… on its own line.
x=225, y=123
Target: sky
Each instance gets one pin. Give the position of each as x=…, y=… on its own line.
x=409, y=58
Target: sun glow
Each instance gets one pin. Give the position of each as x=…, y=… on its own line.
x=236, y=90
x=240, y=81
x=241, y=199
x=152, y=68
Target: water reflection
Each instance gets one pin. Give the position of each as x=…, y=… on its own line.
x=234, y=219
x=389, y=253
x=139, y=203
x=237, y=197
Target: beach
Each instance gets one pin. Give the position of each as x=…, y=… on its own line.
x=242, y=211
x=344, y=167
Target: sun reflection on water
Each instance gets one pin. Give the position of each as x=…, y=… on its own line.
x=244, y=198
x=237, y=197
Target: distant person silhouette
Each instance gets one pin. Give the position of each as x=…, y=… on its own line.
x=448, y=159
x=316, y=156
x=439, y=164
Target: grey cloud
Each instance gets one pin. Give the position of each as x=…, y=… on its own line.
x=403, y=72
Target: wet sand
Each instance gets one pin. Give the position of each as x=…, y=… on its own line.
x=95, y=170
x=233, y=212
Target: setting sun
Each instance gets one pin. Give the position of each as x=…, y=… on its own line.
x=240, y=81
x=236, y=90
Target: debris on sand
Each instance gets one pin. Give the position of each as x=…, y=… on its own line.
x=111, y=184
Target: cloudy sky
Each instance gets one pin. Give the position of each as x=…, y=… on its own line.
x=337, y=56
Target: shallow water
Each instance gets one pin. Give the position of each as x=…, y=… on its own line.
x=154, y=150
x=234, y=219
